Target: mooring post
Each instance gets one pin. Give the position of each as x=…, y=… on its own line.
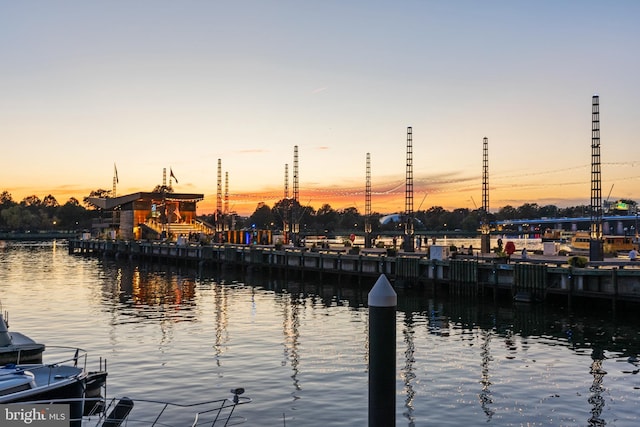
x=382, y=303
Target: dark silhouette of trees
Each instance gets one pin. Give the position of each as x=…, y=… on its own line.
x=262, y=217
x=33, y=213
x=6, y=200
x=98, y=194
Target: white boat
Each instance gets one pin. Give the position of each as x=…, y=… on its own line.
x=16, y=347
x=131, y=412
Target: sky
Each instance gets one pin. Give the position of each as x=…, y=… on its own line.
x=152, y=85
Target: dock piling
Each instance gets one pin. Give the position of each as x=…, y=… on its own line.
x=382, y=301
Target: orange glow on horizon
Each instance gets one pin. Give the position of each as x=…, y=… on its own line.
x=449, y=191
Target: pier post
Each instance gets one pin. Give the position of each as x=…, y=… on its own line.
x=382, y=301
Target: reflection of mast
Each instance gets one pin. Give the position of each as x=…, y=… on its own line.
x=596, y=389
x=408, y=374
x=291, y=331
x=485, y=393
x=222, y=320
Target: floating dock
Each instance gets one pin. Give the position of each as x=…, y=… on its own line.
x=534, y=279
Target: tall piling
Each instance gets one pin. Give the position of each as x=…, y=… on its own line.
x=382, y=303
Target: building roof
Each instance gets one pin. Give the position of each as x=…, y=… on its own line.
x=109, y=203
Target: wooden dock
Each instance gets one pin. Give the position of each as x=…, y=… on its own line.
x=534, y=279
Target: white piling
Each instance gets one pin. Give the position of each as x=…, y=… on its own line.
x=382, y=303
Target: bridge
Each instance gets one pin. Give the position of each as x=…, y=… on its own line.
x=612, y=224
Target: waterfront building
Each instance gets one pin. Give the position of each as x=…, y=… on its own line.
x=145, y=215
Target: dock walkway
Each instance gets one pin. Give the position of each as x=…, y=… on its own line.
x=535, y=278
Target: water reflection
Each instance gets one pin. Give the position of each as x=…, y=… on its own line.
x=290, y=306
x=484, y=334
x=221, y=320
x=485, y=358
x=595, y=398
x=408, y=371
x=150, y=294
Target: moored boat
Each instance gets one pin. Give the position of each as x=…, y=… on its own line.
x=611, y=244
x=16, y=347
x=66, y=379
x=559, y=236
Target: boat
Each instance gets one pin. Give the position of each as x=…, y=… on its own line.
x=555, y=235
x=612, y=244
x=16, y=347
x=65, y=379
x=126, y=411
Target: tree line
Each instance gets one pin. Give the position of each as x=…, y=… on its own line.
x=33, y=213
x=328, y=220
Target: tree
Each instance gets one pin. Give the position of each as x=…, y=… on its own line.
x=350, y=219
x=19, y=217
x=70, y=214
x=528, y=210
x=262, y=217
x=48, y=209
x=97, y=194
x=6, y=200
x=472, y=221
x=32, y=200
x=162, y=189
x=433, y=218
x=73, y=201
x=548, y=211
x=307, y=219
x=507, y=212
x=50, y=202
x=327, y=218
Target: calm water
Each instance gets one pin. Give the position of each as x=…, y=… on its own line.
x=300, y=350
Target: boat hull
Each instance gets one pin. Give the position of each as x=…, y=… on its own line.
x=63, y=383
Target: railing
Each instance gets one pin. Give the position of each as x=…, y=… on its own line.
x=148, y=412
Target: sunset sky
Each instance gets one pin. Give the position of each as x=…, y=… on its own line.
x=147, y=85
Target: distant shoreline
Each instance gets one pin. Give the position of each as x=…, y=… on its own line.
x=39, y=235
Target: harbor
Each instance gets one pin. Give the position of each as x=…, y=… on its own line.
x=537, y=278
x=178, y=331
